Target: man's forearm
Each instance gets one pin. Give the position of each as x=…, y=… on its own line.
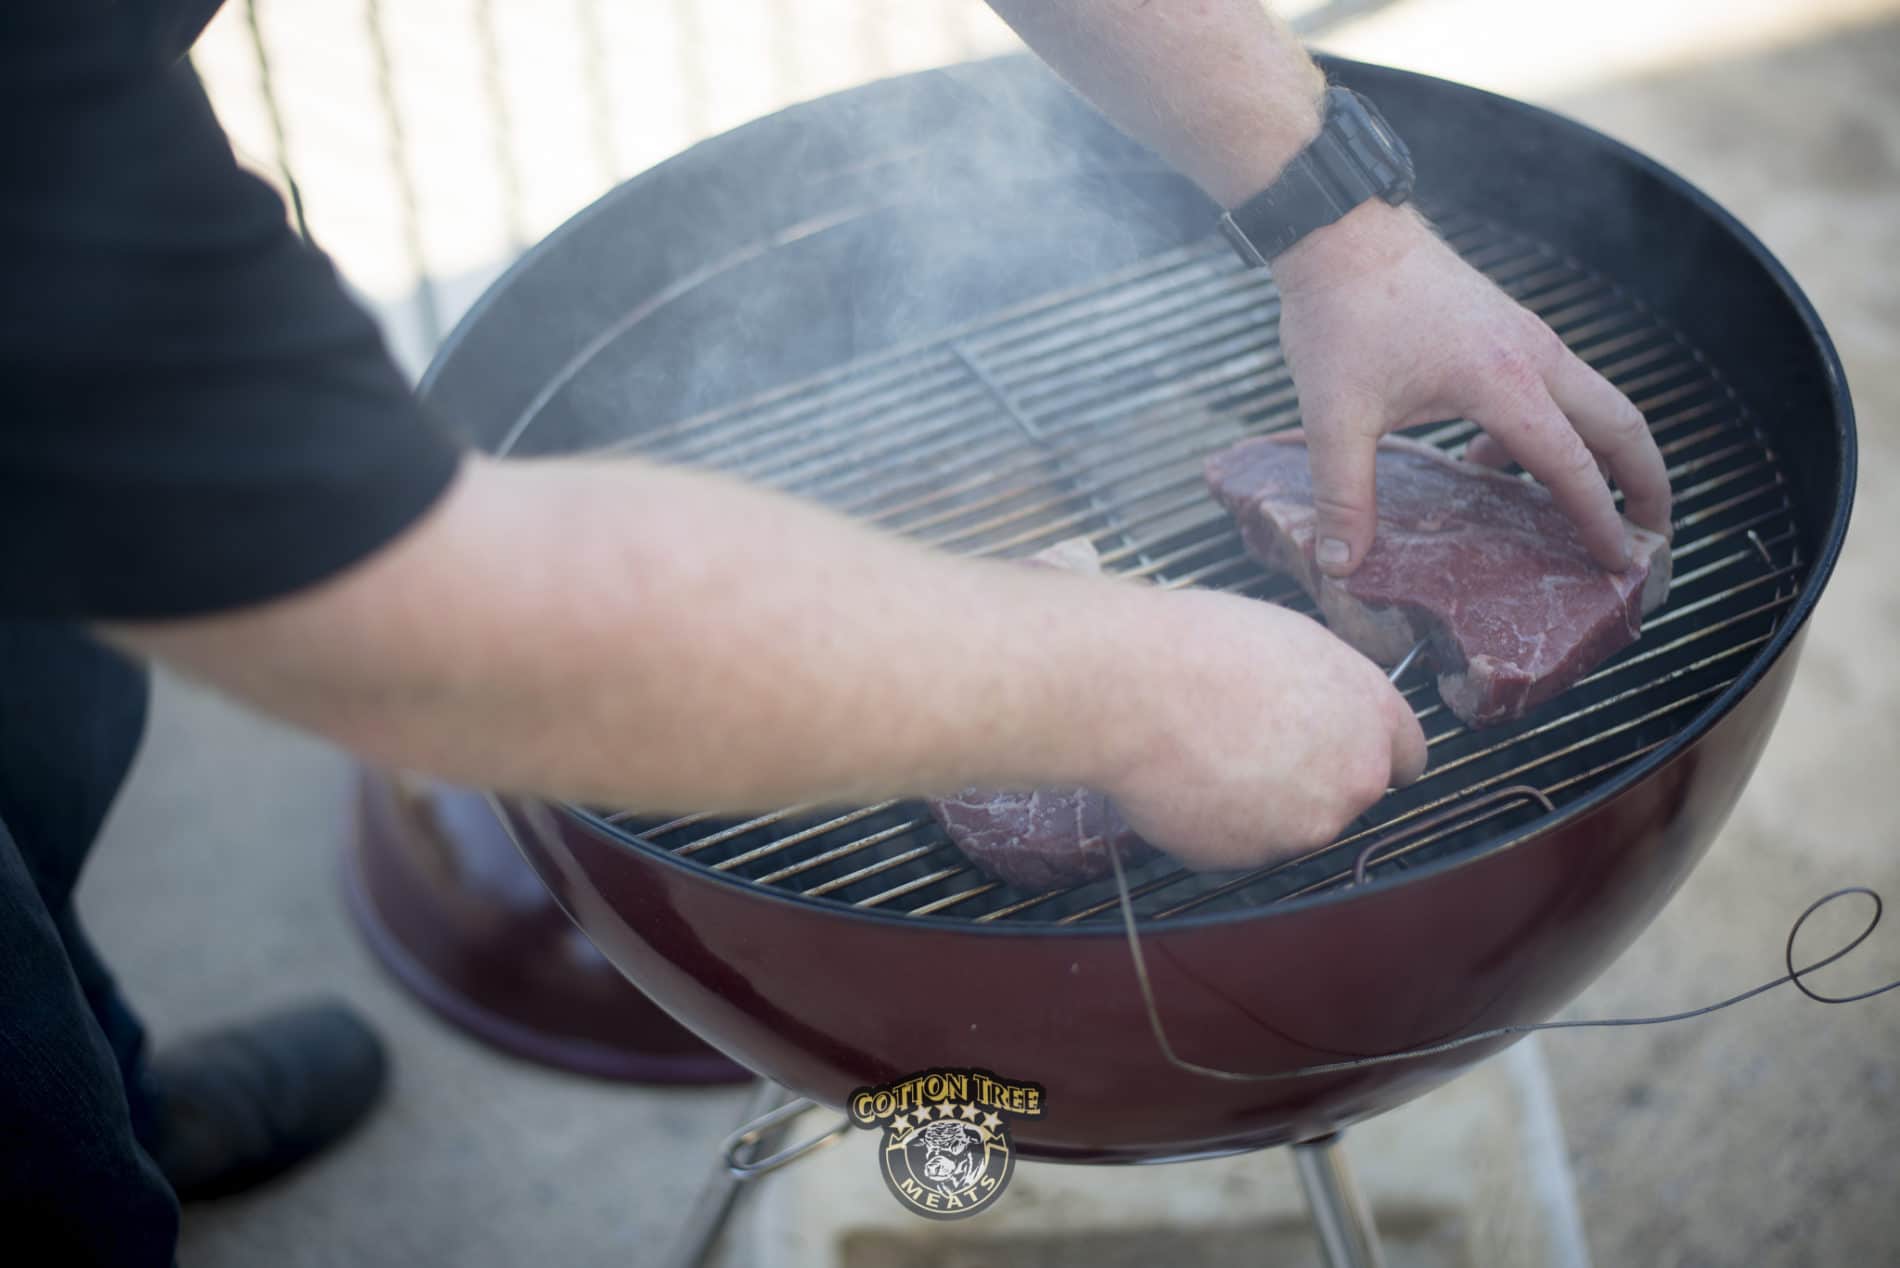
x=631, y=635
x=1219, y=88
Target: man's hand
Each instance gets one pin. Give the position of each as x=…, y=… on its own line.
x=1384, y=326
x=1255, y=734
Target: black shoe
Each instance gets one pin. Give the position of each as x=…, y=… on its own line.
x=237, y=1106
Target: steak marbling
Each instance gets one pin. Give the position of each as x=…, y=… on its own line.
x=1047, y=839
x=1483, y=565
x=1052, y=837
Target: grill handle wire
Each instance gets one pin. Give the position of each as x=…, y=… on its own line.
x=738, y=1147
x=1501, y=796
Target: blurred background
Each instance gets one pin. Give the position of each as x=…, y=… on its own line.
x=430, y=141
x=425, y=143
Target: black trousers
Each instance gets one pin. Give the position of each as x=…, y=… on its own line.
x=75, y=1187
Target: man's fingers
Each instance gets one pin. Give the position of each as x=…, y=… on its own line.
x=1543, y=442
x=1344, y=453
x=1614, y=430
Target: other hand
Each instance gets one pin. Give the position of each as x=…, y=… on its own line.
x=1385, y=327
x=1255, y=734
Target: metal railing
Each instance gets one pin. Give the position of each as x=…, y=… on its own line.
x=425, y=143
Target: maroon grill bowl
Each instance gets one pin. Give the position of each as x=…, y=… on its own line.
x=824, y=1001
x=799, y=222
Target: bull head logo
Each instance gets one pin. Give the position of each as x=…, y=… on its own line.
x=953, y=1156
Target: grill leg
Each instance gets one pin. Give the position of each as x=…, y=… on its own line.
x=746, y=1155
x=706, y=1219
x=1346, y=1234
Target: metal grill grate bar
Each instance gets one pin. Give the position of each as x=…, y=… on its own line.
x=778, y=408
x=1228, y=355
x=1163, y=444
x=1184, y=439
x=715, y=437
x=799, y=838
x=988, y=474
x=862, y=843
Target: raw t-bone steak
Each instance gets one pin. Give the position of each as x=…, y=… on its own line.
x=1484, y=565
x=1047, y=839
x=1053, y=837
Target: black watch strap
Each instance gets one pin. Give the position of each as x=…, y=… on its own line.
x=1355, y=157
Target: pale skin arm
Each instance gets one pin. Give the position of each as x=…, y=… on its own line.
x=630, y=636
x=626, y=635
x=1382, y=324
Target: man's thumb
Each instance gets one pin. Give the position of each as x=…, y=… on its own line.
x=1344, y=493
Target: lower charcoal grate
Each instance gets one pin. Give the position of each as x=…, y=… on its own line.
x=1088, y=413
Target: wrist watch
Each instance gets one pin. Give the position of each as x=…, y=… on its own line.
x=1356, y=156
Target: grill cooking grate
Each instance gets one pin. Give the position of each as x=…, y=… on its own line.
x=1089, y=412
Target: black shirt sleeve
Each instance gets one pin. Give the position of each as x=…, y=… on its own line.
x=194, y=415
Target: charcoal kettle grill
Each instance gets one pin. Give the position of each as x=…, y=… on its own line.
x=962, y=306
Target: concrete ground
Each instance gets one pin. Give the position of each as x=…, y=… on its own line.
x=1764, y=1136
x=1768, y=1135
